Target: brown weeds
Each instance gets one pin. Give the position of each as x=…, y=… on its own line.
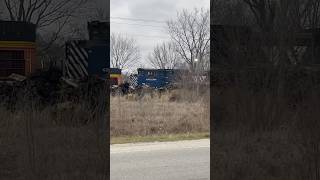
x=171, y=113
x=60, y=141
x=264, y=129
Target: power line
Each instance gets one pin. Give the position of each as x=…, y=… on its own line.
x=136, y=19
x=151, y=36
x=146, y=36
x=156, y=27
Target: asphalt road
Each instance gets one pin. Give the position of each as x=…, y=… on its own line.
x=187, y=160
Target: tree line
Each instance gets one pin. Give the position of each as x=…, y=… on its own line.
x=188, y=47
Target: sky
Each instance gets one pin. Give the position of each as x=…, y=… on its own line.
x=145, y=20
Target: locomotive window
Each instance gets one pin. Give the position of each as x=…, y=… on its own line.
x=151, y=74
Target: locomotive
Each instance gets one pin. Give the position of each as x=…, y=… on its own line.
x=88, y=57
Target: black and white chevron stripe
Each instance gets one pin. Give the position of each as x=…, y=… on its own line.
x=77, y=60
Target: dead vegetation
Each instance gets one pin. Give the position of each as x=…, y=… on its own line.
x=158, y=114
x=53, y=140
x=264, y=129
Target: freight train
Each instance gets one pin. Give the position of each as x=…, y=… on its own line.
x=83, y=58
x=91, y=57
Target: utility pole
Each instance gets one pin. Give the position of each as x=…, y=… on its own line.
x=196, y=75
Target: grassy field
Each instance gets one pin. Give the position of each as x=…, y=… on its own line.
x=172, y=113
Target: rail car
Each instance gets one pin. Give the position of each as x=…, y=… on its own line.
x=155, y=78
x=91, y=57
x=17, y=48
x=116, y=77
x=86, y=58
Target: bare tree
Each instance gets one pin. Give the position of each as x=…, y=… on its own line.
x=101, y=14
x=191, y=34
x=96, y=10
x=42, y=12
x=231, y=12
x=309, y=13
x=164, y=56
x=283, y=19
x=264, y=12
x=124, y=51
x=50, y=16
x=271, y=15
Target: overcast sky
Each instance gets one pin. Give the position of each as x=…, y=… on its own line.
x=147, y=33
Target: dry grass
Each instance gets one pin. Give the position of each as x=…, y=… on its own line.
x=265, y=155
x=265, y=133
x=52, y=142
x=159, y=138
x=171, y=113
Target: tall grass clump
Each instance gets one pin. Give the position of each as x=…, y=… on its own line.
x=169, y=112
x=60, y=140
x=266, y=124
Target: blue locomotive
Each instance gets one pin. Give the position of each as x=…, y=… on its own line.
x=156, y=78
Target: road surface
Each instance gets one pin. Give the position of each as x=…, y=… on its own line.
x=187, y=160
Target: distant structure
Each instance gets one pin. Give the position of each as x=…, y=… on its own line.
x=115, y=77
x=17, y=48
